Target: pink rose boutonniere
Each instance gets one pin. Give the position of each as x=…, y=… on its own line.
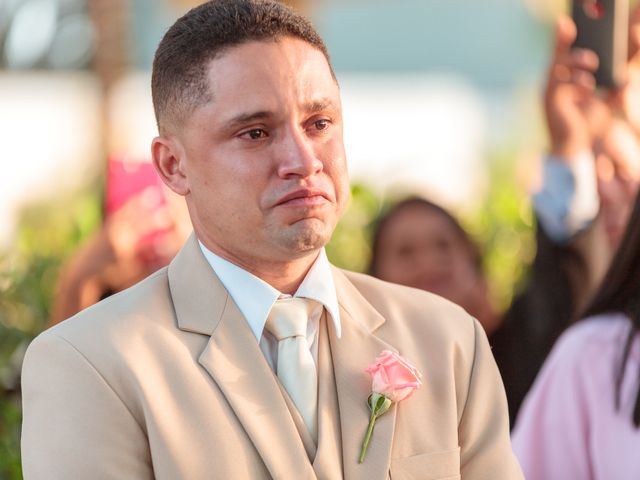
x=393, y=380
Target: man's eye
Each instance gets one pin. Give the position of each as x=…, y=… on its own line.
x=321, y=124
x=256, y=134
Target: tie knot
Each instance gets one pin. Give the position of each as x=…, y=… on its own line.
x=288, y=318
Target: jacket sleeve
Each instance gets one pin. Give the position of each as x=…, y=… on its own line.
x=74, y=424
x=483, y=431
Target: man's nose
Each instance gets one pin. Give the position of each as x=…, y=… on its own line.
x=297, y=156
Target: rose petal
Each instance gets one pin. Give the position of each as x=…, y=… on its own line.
x=393, y=377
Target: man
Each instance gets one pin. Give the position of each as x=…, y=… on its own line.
x=186, y=375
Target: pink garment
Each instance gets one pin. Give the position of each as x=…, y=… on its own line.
x=568, y=427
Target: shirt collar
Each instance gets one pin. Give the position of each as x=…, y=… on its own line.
x=255, y=297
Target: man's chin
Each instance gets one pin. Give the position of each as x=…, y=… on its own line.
x=305, y=236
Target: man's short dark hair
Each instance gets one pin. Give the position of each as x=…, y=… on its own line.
x=179, y=78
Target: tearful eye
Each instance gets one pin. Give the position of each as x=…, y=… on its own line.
x=321, y=124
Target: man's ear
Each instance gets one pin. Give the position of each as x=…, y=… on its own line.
x=168, y=158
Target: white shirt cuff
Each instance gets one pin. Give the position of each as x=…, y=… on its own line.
x=568, y=201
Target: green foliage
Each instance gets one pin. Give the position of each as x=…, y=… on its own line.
x=48, y=232
x=350, y=245
x=503, y=227
x=10, y=439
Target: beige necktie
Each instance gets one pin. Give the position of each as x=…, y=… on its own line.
x=295, y=367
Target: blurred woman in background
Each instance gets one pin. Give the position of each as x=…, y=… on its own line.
x=581, y=418
x=419, y=244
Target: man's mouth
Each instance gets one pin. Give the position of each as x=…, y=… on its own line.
x=304, y=197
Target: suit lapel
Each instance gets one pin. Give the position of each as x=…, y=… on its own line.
x=352, y=354
x=235, y=362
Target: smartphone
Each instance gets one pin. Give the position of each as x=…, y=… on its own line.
x=603, y=27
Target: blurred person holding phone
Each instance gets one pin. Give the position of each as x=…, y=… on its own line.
x=144, y=226
x=591, y=177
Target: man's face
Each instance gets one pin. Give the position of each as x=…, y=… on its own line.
x=264, y=161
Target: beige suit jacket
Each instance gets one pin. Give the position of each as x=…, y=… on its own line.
x=166, y=380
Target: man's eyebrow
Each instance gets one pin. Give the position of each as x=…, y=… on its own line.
x=319, y=105
x=248, y=117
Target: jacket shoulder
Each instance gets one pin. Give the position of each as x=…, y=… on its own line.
x=416, y=312
x=145, y=305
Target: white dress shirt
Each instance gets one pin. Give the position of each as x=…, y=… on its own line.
x=254, y=297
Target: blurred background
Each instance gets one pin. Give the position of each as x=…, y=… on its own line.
x=441, y=98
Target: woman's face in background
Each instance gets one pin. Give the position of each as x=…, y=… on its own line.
x=419, y=247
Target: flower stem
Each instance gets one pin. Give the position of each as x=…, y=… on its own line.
x=378, y=404
x=367, y=437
